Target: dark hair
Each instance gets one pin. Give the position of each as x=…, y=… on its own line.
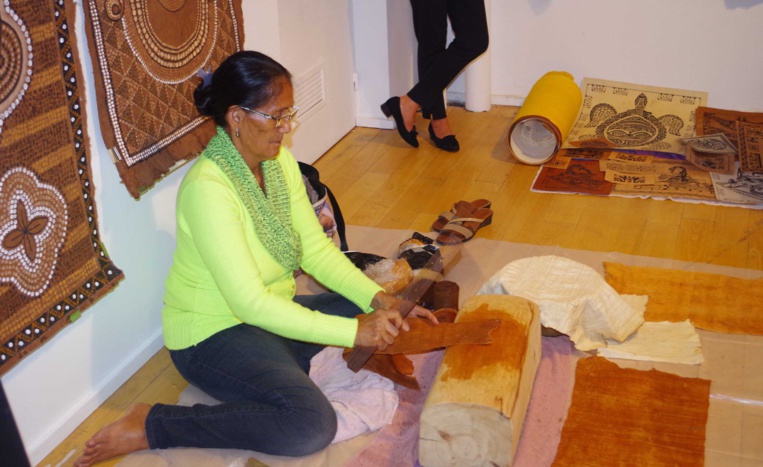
x=245, y=78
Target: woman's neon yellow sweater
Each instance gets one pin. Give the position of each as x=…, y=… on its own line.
x=222, y=275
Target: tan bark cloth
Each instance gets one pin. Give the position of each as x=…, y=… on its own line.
x=712, y=302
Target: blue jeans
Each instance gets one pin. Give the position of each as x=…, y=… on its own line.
x=269, y=404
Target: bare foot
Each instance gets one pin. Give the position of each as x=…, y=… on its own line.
x=408, y=108
x=441, y=127
x=128, y=434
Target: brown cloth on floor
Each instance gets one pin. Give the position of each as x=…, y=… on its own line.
x=631, y=417
x=710, y=301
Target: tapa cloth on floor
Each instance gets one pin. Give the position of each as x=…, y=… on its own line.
x=658, y=342
x=363, y=401
x=397, y=444
x=52, y=262
x=631, y=417
x=713, y=302
x=612, y=110
x=572, y=297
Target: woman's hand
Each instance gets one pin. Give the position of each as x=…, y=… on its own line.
x=421, y=312
x=378, y=328
x=383, y=300
x=381, y=327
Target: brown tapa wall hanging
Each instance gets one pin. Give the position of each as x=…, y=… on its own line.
x=52, y=263
x=146, y=54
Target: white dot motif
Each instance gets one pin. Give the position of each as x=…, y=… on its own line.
x=17, y=87
x=33, y=218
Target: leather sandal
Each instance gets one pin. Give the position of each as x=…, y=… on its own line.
x=460, y=209
x=462, y=229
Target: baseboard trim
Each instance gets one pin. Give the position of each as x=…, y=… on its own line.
x=77, y=414
x=374, y=122
x=459, y=98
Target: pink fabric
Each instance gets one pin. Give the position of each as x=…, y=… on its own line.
x=552, y=392
x=397, y=444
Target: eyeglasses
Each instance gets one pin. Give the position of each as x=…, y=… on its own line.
x=285, y=118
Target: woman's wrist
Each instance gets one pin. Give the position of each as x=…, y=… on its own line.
x=383, y=300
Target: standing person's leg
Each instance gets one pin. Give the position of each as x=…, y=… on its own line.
x=430, y=24
x=469, y=23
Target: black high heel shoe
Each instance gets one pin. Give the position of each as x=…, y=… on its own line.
x=391, y=108
x=448, y=143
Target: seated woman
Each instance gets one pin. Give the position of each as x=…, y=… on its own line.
x=231, y=320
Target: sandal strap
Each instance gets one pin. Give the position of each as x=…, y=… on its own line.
x=461, y=220
x=447, y=215
x=456, y=228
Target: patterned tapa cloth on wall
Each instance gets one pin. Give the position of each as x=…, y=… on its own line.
x=52, y=263
x=146, y=55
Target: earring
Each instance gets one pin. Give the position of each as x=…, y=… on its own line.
x=238, y=135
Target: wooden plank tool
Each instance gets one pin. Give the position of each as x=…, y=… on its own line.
x=424, y=279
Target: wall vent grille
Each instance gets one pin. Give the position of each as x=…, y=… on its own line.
x=310, y=92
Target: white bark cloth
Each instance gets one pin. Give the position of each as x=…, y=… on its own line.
x=573, y=299
x=659, y=342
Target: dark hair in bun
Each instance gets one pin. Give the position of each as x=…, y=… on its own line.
x=245, y=78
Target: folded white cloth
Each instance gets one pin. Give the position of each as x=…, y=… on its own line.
x=573, y=299
x=363, y=401
x=659, y=342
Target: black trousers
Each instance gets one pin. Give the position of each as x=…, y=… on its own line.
x=439, y=65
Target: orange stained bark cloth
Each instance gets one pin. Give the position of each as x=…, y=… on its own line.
x=631, y=417
x=713, y=302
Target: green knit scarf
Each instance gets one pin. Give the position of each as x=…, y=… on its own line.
x=271, y=214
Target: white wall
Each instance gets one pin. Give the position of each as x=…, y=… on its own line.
x=317, y=34
x=704, y=45
x=55, y=388
x=383, y=45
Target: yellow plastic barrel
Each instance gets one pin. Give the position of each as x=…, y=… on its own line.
x=545, y=118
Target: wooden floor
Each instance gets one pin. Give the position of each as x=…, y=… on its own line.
x=380, y=181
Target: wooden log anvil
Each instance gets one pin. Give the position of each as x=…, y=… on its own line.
x=474, y=411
